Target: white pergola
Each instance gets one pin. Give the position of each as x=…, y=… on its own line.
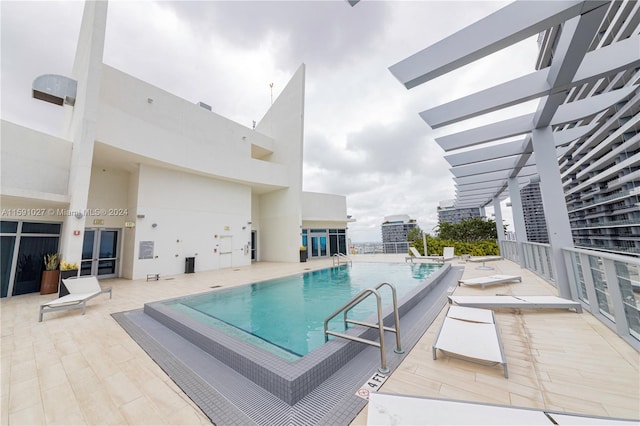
x=488, y=169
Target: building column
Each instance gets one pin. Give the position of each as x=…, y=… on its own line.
x=518, y=218
x=81, y=124
x=554, y=203
x=498, y=214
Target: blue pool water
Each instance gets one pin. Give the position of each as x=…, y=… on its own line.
x=286, y=315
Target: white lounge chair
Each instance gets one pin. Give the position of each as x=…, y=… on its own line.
x=447, y=254
x=80, y=291
x=517, y=302
x=471, y=334
x=483, y=260
x=386, y=409
x=491, y=280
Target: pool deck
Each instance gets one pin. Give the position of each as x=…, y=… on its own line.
x=75, y=369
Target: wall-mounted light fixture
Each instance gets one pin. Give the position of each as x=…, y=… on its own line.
x=154, y=225
x=149, y=100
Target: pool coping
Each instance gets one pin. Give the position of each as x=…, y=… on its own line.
x=227, y=397
x=288, y=380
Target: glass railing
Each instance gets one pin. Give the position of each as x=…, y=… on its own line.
x=537, y=258
x=608, y=285
x=509, y=250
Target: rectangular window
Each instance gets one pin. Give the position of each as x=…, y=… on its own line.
x=8, y=227
x=40, y=228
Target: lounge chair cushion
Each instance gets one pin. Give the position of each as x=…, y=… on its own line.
x=491, y=279
x=517, y=302
x=471, y=334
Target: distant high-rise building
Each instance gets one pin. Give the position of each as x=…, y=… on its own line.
x=394, y=233
x=533, y=212
x=448, y=213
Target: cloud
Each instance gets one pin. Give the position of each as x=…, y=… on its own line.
x=322, y=34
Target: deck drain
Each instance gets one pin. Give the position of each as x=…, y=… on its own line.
x=215, y=286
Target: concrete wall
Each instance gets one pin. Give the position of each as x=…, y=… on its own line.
x=33, y=162
x=192, y=182
x=325, y=207
x=147, y=121
x=280, y=211
x=195, y=216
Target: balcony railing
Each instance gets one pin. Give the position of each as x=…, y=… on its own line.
x=607, y=284
x=536, y=257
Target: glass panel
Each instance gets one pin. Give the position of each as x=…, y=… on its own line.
x=85, y=267
x=106, y=267
x=342, y=244
x=304, y=241
x=602, y=289
x=629, y=282
x=108, y=244
x=314, y=246
x=31, y=262
x=40, y=228
x=6, y=249
x=547, y=251
x=8, y=226
x=577, y=272
x=87, y=245
x=323, y=246
x=333, y=244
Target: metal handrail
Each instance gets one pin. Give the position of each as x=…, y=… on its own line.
x=338, y=256
x=380, y=326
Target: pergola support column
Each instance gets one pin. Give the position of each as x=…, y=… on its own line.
x=554, y=204
x=518, y=218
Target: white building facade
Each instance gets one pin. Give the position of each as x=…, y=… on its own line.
x=148, y=183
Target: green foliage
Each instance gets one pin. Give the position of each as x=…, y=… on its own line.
x=478, y=247
x=474, y=229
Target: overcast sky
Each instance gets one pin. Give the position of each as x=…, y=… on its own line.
x=363, y=136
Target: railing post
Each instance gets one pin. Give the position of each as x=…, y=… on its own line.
x=383, y=357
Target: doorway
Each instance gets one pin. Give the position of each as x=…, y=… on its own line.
x=254, y=246
x=318, y=244
x=100, y=252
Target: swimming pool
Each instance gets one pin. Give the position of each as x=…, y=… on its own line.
x=288, y=376
x=286, y=316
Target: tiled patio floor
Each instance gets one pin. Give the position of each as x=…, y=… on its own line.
x=75, y=369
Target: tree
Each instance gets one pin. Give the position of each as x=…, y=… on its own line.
x=475, y=237
x=415, y=238
x=474, y=229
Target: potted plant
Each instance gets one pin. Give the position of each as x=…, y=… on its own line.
x=67, y=270
x=51, y=274
x=303, y=254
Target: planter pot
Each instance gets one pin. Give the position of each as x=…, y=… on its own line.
x=64, y=275
x=303, y=255
x=49, y=283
